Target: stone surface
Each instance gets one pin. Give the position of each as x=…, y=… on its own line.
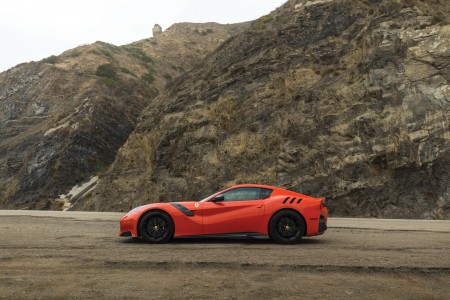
x=157, y=30
x=344, y=99
x=63, y=119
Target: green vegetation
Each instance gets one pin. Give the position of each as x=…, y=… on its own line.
x=139, y=54
x=126, y=71
x=148, y=77
x=108, y=46
x=204, y=32
x=107, y=71
x=74, y=54
x=106, y=52
x=167, y=76
x=260, y=23
x=51, y=60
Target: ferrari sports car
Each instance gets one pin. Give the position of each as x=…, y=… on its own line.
x=250, y=210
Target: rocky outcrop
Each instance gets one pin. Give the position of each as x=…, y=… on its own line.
x=63, y=119
x=157, y=30
x=344, y=99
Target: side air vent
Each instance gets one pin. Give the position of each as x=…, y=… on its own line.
x=292, y=200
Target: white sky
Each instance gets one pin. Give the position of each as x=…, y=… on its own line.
x=35, y=29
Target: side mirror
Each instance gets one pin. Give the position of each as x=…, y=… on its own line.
x=218, y=198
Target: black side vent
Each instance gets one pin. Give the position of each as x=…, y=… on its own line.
x=293, y=199
x=299, y=200
x=285, y=200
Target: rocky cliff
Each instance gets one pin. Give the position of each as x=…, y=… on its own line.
x=63, y=119
x=338, y=98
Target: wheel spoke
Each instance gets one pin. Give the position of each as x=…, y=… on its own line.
x=287, y=227
x=156, y=228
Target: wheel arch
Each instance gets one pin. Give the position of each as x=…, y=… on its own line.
x=149, y=211
x=287, y=209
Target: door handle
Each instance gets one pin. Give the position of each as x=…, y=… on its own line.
x=260, y=206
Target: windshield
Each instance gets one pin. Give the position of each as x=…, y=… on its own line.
x=203, y=200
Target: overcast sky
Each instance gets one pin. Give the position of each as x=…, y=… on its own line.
x=35, y=29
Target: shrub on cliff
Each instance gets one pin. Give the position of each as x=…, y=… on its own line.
x=106, y=70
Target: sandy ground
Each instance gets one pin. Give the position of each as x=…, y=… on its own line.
x=78, y=255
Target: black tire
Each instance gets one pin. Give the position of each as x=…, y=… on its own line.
x=156, y=227
x=287, y=227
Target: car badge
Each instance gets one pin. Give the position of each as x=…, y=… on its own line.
x=196, y=204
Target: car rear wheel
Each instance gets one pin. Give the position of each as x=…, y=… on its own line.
x=286, y=227
x=156, y=227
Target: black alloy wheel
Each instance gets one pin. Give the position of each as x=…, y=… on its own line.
x=156, y=227
x=286, y=227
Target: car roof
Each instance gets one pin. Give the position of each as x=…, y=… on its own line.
x=256, y=185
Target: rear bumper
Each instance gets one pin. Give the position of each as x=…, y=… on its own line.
x=322, y=225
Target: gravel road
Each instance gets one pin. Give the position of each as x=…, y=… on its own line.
x=78, y=255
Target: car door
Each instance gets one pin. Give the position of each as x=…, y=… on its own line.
x=241, y=210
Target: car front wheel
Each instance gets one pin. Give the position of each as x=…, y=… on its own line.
x=286, y=227
x=156, y=227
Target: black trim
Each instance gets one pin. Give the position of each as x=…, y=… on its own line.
x=235, y=235
x=322, y=225
x=125, y=234
x=182, y=208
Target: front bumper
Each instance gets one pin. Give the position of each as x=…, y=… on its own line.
x=128, y=226
x=126, y=234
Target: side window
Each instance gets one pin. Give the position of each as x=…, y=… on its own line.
x=241, y=194
x=265, y=193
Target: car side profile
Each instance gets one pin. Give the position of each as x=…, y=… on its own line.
x=242, y=210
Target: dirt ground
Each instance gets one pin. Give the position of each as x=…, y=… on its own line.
x=78, y=255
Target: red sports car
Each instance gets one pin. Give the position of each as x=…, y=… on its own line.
x=242, y=210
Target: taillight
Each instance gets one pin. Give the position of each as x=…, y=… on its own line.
x=322, y=203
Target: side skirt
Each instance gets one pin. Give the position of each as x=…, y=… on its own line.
x=241, y=235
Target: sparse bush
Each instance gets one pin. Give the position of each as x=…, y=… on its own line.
x=51, y=59
x=167, y=76
x=126, y=71
x=109, y=81
x=108, y=46
x=74, y=54
x=106, y=52
x=106, y=70
x=139, y=54
x=260, y=23
x=148, y=77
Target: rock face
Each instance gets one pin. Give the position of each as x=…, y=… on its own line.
x=157, y=30
x=346, y=99
x=63, y=119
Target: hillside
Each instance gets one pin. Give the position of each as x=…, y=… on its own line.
x=63, y=119
x=337, y=98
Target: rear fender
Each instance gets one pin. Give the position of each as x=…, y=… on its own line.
x=288, y=209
